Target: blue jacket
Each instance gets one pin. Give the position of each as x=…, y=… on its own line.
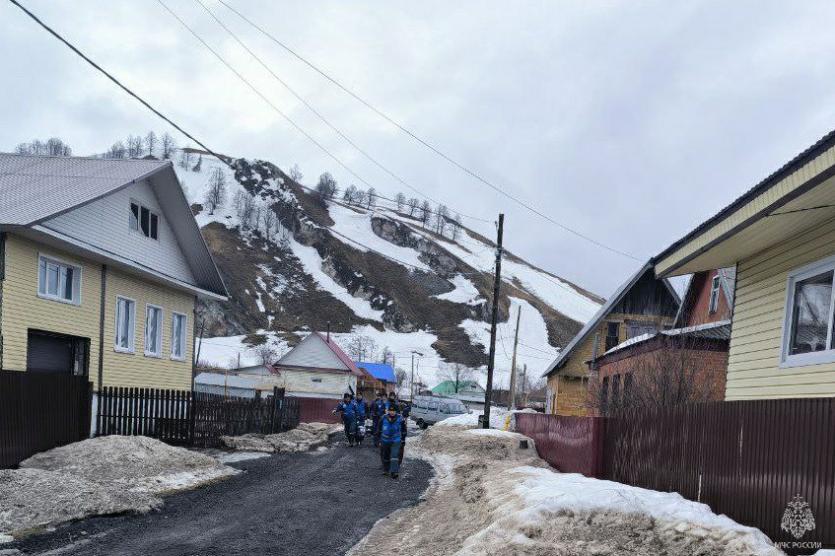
x=378, y=408
x=362, y=408
x=348, y=410
x=391, y=429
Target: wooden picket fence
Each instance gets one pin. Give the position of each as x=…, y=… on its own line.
x=191, y=418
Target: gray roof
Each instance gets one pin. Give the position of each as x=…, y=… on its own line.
x=591, y=325
x=719, y=330
x=35, y=188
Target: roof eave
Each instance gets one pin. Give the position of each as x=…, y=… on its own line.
x=795, y=178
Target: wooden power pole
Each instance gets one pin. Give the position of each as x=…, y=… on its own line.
x=491, y=362
x=511, y=404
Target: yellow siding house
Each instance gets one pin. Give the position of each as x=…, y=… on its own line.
x=642, y=305
x=101, y=262
x=781, y=237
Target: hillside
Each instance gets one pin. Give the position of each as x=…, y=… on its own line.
x=295, y=263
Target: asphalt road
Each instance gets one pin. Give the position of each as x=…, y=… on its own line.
x=318, y=503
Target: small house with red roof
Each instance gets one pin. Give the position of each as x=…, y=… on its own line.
x=317, y=368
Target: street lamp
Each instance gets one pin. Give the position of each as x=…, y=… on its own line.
x=412, y=381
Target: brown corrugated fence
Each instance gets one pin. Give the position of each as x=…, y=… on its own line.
x=746, y=459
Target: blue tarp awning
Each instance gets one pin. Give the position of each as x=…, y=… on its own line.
x=380, y=371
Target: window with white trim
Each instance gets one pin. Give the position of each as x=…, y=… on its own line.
x=713, y=305
x=153, y=330
x=125, y=324
x=808, y=326
x=59, y=281
x=178, y=336
x=143, y=220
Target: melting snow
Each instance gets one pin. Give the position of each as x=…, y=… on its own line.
x=464, y=292
x=312, y=263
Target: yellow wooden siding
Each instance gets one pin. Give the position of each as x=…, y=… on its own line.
x=754, y=370
x=785, y=186
x=137, y=369
x=24, y=310
x=572, y=397
x=577, y=365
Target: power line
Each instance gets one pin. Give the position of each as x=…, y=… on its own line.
x=284, y=115
x=318, y=114
x=422, y=141
x=183, y=131
x=263, y=97
x=104, y=72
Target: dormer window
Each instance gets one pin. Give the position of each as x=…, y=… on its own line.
x=143, y=220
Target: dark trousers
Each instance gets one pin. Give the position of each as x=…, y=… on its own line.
x=376, y=429
x=350, y=429
x=390, y=454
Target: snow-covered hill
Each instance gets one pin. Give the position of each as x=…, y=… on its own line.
x=294, y=263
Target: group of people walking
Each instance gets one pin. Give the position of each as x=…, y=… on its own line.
x=386, y=417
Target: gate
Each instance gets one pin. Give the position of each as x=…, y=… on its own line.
x=41, y=411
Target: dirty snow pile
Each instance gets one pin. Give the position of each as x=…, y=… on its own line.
x=493, y=496
x=99, y=476
x=499, y=418
x=301, y=439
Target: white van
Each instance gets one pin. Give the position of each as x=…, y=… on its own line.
x=428, y=410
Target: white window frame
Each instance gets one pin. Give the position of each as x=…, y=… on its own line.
x=138, y=229
x=132, y=336
x=817, y=357
x=713, y=302
x=77, y=280
x=148, y=307
x=174, y=315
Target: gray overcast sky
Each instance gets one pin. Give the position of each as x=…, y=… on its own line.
x=629, y=121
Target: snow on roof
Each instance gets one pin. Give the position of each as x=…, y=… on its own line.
x=380, y=371
x=589, y=327
x=632, y=341
x=719, y=330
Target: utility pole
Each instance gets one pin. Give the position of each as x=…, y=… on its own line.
x=491, y=362
x=512, y=394
x=412, y=380
x=525, y=383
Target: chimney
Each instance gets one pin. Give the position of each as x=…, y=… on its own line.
x=328, y=335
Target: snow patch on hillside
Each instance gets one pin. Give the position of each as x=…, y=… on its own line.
x=464, y=292
x=558, y=294
x=312, y=263
x=533, y=349
x=356, y=225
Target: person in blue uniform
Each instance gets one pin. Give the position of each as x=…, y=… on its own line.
x=390, y=438
x=405, y=411
x=362, y=411
x=378, y=410
x=347, y=409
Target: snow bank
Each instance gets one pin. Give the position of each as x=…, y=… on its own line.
x=542, y=495
x=493, y=497
x=132, y=463
x=301, y=439
x=498, y=419
x=100, y=476
x=32, y=499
